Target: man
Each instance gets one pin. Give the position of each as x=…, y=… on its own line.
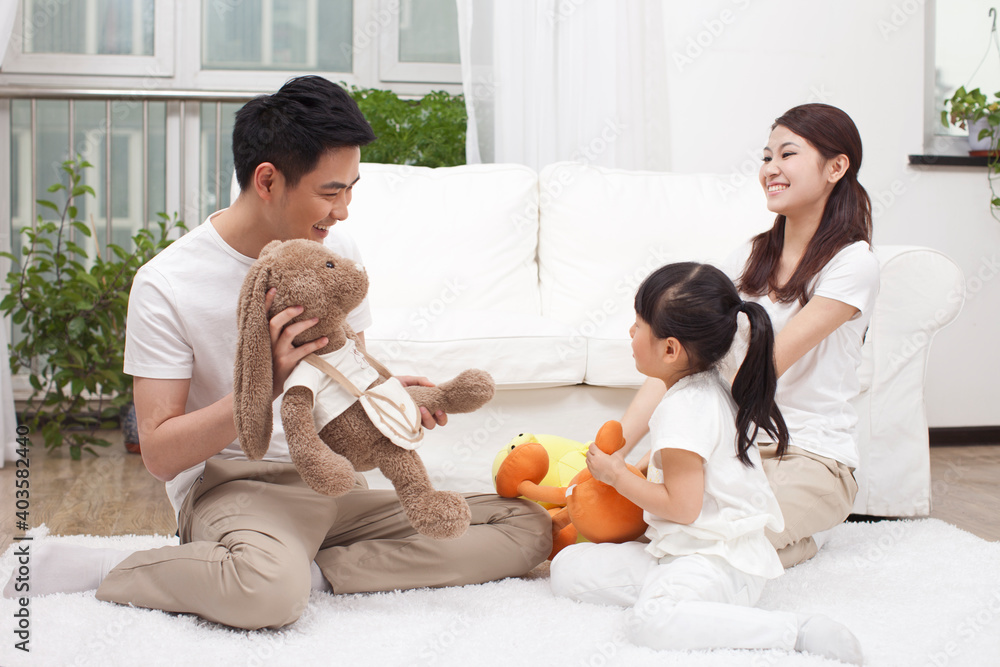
x=254, y=539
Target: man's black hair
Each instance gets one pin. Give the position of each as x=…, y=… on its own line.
x=294, y=127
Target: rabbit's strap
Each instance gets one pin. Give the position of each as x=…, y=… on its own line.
x=388, y=405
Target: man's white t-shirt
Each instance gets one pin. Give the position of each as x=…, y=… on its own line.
x=182, y=325
x=815, y=393
x=698, y=414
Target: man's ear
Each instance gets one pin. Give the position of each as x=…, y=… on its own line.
x=837, y=167
x=266, y=180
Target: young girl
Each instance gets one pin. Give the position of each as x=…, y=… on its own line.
x=706, y=500
x=816, y=276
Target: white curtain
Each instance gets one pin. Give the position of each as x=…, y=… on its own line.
x=552, y=80
x=8, y=12
x=8, y=420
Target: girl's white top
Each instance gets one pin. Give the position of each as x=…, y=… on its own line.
x=698, y=414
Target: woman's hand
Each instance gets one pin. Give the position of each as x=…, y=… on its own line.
x=429, y=421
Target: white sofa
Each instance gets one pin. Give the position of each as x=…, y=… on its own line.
x=531, y=276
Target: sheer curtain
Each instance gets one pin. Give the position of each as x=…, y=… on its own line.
x=8, y=11
x=552, y=80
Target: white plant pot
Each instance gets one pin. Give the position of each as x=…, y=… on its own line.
x=976, y=144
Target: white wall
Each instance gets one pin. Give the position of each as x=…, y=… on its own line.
x=738, y=64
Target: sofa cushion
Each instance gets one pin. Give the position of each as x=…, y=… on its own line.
x=463, y=237
x=604, y=230
x=526, y=351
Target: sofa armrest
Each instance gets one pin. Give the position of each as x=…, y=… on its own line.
x=921, y=291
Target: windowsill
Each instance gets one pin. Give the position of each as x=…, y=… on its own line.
x=949, y=160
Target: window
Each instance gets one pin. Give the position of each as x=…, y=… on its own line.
x=109, y=27
x=420, y=41
x=151, y=87
x=304, y=35
x=966, y=53
x=62, y=127
x=104, y=37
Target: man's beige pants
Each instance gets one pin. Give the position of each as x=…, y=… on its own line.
x=815, y=493
x=250, y=530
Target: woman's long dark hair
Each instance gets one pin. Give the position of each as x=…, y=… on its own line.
x=846, y=219
x=698, y=305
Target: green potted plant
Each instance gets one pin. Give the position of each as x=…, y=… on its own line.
x=71, y=309
x=974, y=111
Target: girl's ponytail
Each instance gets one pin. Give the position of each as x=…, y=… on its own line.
x=754, y=387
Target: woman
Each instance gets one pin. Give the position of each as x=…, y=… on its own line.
x=815, y=274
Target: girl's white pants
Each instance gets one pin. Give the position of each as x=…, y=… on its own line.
x=677, y=602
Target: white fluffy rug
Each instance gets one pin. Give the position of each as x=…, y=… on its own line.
x=914, y=592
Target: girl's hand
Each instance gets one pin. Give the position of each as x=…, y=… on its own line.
x=606, y=468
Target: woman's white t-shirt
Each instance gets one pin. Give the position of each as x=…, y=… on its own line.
x=815, y=393
x=182, y=325
x=698, y=414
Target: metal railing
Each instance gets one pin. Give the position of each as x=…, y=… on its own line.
x=114, y=97
x=179, y=160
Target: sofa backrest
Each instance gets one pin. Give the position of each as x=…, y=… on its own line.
x=602, y=231
x=476, y=228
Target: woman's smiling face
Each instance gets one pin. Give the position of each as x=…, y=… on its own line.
x=794, y=175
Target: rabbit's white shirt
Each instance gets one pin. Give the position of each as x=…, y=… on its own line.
x=330, y=400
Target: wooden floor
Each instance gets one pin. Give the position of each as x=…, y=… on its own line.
x=114, y=495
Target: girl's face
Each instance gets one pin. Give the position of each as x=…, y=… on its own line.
x=796, y=178
x=647, y=349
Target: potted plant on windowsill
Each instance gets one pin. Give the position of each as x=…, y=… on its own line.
x=973, y=110
x=71, y=309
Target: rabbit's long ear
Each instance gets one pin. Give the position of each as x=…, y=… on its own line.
x=252, y=379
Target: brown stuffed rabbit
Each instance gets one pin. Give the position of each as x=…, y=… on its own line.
x=330, y=438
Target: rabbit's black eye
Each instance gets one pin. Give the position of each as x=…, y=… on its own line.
x=329, y=265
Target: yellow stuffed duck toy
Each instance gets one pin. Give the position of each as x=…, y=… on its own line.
x=552, y=471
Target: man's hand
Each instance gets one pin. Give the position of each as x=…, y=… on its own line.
x=607, y=468
x=429, y=421
x=284, y=354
